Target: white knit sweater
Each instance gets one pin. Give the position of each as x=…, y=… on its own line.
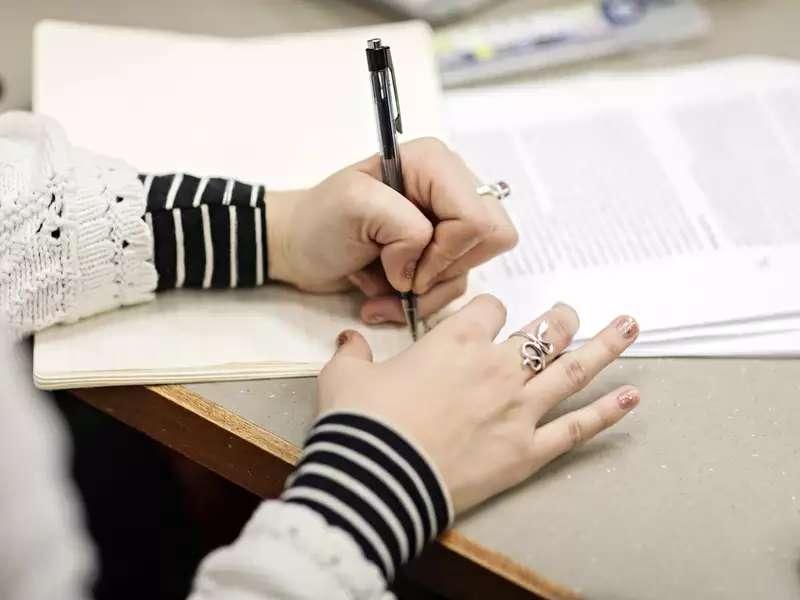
x=72, y=244
x=72, y=240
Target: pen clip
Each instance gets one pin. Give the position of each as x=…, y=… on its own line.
x=398, y=122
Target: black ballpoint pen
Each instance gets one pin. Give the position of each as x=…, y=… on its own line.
x=385, y=99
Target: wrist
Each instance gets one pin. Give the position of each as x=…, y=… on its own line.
x=280, y=207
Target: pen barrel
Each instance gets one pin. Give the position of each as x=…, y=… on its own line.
x=391, y=168
x=384, y=85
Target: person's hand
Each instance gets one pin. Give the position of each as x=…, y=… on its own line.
x=352, y=230
x=471, y=405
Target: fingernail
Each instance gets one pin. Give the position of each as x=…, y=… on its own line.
x=410, y=269
x=342, y=338
x=559, y=305
x=628, y=327
x=628, y=399
x=376, y=318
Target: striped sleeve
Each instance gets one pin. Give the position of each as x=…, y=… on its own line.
x=208, y=232
x=367, y=479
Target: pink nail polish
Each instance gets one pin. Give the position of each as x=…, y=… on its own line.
x=375, y=318
x=627, y=326
x=628, y=399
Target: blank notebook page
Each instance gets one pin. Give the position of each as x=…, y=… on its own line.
x=284, y=111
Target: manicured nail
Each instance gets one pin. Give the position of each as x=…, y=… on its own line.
x=376, y=318
x=628, y=327
x=559, y=305
x=628, y=399
x=342, y=338
x=410, y=269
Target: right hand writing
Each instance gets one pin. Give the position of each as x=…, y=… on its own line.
x=351, y=230
x=471, y=405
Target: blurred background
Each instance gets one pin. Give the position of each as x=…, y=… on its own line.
x=482, y=26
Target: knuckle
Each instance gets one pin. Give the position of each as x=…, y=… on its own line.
x=560, y=326
x=479, y=228
x=521, y=446
x=461, y=286
x=576, y=433
x=432, y=145
x=355, y=189
x=423, y=232
x=610, y=348
x=445, y=255
x=491, y=371
x=472, y=230
x=492, y=300
x=574, y=371
x=469, y=330
x=603, y=419
x=507, y=237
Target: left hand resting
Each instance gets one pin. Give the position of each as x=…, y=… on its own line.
x=330, y=237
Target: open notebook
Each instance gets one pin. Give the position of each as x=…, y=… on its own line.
x=252, y=109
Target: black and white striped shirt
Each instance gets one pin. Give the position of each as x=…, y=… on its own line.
x=208, y=232
x=366, y=478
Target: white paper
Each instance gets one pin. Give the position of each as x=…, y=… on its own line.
x=721, y=330
x=782, y=344
x=671, y=196
x=286, y=111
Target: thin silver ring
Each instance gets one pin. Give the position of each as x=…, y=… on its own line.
x=498, y=190
x=535, y=350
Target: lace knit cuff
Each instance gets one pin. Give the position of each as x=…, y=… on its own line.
x=72, y=240
x=365, y=478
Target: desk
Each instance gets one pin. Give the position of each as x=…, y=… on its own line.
x=694, y=495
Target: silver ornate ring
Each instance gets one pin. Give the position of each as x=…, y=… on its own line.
x=498, y=190
x=535, y=350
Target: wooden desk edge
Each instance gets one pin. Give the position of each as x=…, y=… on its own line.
x=259, y=461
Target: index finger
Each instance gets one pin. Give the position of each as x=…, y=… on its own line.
x=480, y=320
x=439, y=182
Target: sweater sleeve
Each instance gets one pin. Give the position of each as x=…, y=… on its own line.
x=362, y=502
x=72, y=239
x=82, y=233
x=208, y=232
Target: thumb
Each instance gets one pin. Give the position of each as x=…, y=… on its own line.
x=350, y=343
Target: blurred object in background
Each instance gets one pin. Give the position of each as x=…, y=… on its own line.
x=547, y=37
x=434, y=11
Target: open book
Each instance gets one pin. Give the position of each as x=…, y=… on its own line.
x=284, y=111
